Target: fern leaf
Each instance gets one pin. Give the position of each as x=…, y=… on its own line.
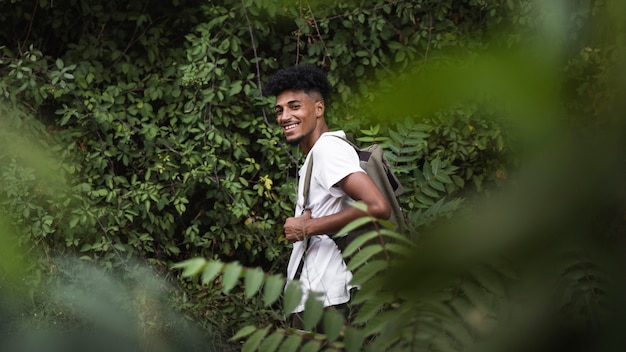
x=311, y=346
x=243, y=332
x=395, y=136
x=271, y=343
x=313, y=310
x=273, y=288
x=333, y=323
x=358, y=242
x=429, y=191
x=396, y=236
x=363, y=256
x=398, y=249
x=356, y=224
x=367, y=271
x=293, y=296
x=191, y=267
x=443, y=178
x=378, y=322
x=489, y=278
x=291, y=344
x=476, y=295
x=354, y=339
x=405, y=158
x=424, y=200
x=369, y=309
x=253, y=281
x=420, y=128
x=365, y=295
x=230, y=276
x=253, y=342
x=457, y=332
x=427, y=171
x=434, y=183
x=211, y=270
x=435, y=165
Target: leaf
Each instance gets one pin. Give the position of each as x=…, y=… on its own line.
x=458, y=331
x=253, y=281
x=398, y=249
x=254, y=341
x=231, y=276
x=489, y=278
x=424, y=200
x=313, y=310
x=211, y=270
x=459, y=181
x=390, y=331
x=291, y=344
x=356, y=224
x=74, y=221
x=363, y=256
x=398, y=237
x=191, y=267
x=429, y=192
x=311, y=346
x=354, y=339
x=360, y=205
x=436, y=184
x=435, y=165
x=271, y=343
x=333, y=323
x=293, y=296
x=243, y=332
x=274, y=286
x=369, y=309
x=443, y=178
x=476, y=295
x=382, y=319
x=366, y=272
x=357, y=242
x=368, y=292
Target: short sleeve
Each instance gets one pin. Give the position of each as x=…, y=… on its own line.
x=334, y=159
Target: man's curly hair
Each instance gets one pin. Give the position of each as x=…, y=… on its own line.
x=300, y=77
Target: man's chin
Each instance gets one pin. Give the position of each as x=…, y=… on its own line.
x=295, y=141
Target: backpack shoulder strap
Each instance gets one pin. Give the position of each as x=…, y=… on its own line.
x=307, y=183
x=305, y=204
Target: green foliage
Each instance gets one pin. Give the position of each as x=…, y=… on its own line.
x=133, y=130
x=156, y=116
x=85, y=308
x=273, y=290
x=462, y=302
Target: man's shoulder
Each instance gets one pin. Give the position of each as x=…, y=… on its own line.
x=338, y=133
x=328, y=142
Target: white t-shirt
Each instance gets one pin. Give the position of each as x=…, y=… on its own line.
x=324, y=269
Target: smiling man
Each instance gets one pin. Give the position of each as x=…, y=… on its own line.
x=336, y=180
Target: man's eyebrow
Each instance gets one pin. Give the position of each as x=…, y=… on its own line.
x=288, y=103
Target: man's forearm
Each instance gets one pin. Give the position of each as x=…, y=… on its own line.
x=331, y=224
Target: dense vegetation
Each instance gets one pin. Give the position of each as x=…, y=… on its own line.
x=135, y=134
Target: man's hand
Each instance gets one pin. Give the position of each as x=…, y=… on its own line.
x=295, y=227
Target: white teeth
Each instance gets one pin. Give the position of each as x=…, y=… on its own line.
x=291, y=127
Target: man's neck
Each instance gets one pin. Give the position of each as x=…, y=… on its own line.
x=308, y=143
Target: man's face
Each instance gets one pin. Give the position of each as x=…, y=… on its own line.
x=297, y=113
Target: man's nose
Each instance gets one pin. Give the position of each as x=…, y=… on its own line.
x=284, y=116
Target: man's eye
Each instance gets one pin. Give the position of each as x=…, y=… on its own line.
x=295, y=107
x=278, y=112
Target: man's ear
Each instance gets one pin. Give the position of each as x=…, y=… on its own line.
x=319, y=108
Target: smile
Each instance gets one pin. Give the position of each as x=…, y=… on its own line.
x=290, y=127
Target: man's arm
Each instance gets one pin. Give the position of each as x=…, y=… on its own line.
x=359, y=187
